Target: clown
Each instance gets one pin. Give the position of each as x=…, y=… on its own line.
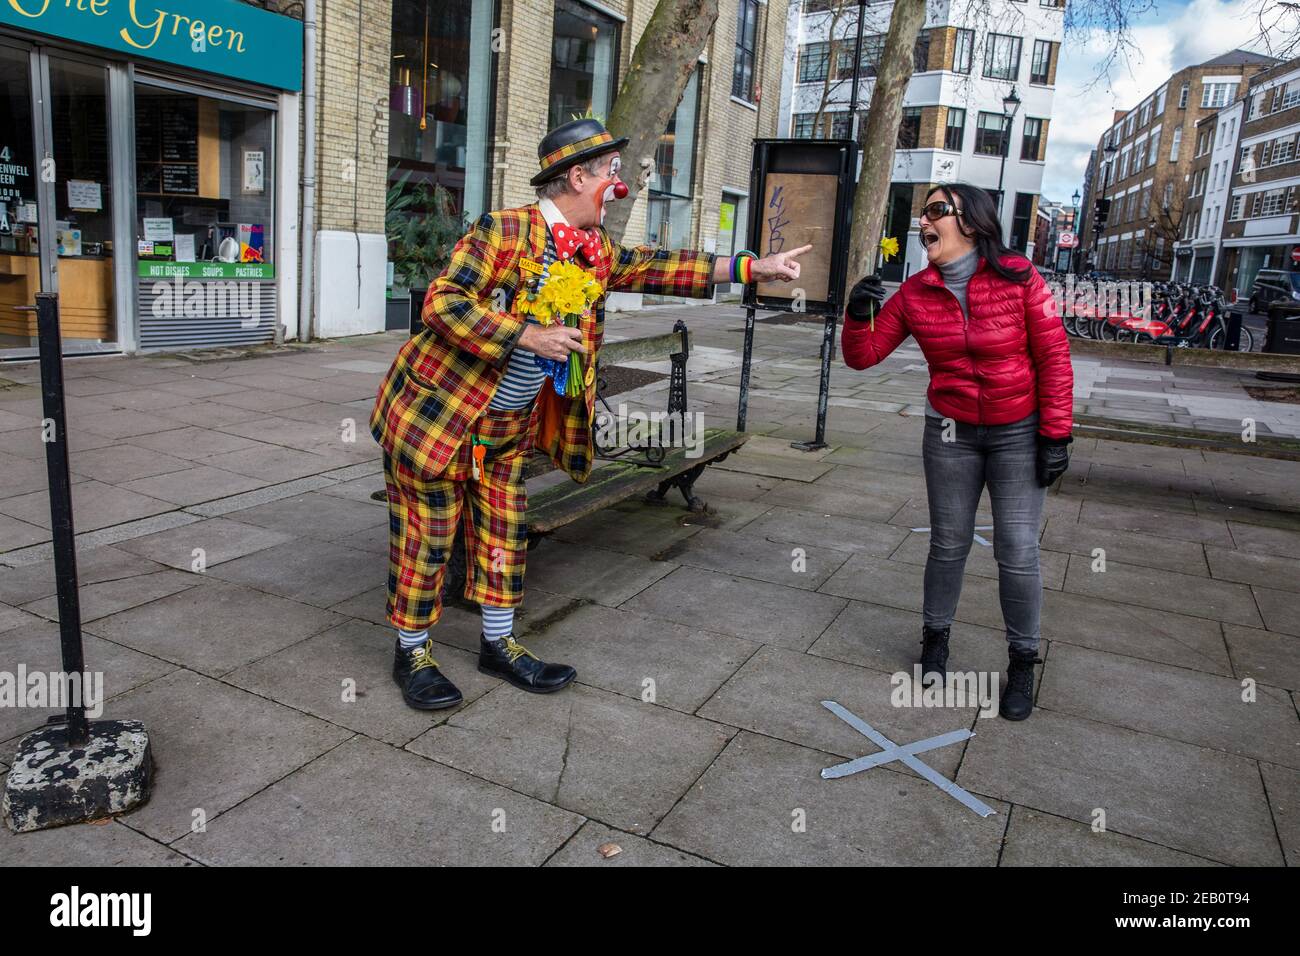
x=466, y=401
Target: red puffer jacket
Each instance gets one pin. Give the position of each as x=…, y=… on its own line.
x=1010, y=359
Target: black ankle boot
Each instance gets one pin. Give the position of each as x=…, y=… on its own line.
x=934, y=655
x=423, y=686
x=511, y=661
x=1018, y=696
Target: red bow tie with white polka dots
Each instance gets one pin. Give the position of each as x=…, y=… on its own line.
x=569, y=239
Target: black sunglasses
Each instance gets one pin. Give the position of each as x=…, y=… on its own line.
x=938, y=209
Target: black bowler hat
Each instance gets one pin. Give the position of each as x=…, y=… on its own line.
x=573, y=143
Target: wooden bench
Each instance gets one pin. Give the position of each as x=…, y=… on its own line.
x=651, y=470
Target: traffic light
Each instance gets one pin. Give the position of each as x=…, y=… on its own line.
x=1103, y=212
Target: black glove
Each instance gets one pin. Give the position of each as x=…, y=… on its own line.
x=1053, y=458
x=866, y=298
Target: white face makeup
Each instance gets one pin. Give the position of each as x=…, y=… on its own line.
x=614, y=188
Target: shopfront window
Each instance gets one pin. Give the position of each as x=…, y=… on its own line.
x=669, y=219
x=20, y=262
x=439, y=99
x=83, y=190
x=584, y=63
x=205, y=195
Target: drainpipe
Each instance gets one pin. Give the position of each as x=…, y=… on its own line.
x=307, y=299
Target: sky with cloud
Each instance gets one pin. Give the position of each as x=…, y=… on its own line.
x=1170, y=36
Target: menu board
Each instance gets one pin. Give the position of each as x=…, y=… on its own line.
x=180, y=180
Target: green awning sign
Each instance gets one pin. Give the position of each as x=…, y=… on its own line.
x=216, y=36
x=205, y=270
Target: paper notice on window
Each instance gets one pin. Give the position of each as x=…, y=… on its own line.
x=159, y=230
x=184, y=247
x=84, y=196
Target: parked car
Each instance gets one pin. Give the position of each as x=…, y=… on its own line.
x=1272, y=285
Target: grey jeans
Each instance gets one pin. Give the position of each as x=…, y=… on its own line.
x=956, y=472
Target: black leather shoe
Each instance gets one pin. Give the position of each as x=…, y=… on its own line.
x=511, y=661
x=934, y=655
x=1018, y=696
x=423, y=686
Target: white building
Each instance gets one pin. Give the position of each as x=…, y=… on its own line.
x=977, y=108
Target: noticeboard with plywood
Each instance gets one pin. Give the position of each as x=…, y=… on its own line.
x=801, y=194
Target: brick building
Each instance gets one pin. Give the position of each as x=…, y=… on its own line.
x=1261, y=228
x=1143, y=164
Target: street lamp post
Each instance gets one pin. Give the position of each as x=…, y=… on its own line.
x=1110, y=152
x=1074, y=228
x=1010, y=104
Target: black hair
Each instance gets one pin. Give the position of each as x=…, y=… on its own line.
x=979, y=221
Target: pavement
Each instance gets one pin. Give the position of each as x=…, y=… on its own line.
x=232, y=568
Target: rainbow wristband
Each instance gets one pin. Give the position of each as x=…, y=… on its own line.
x=742, y=269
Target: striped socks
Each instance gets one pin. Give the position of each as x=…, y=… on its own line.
x=498, y=622
x=410, y=640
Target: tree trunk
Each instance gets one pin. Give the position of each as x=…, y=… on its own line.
x=885, y=113
x=661, y=67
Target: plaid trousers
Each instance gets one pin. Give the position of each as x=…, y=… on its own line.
x=423, y=514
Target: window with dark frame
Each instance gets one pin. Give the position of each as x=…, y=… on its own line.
x=963, y=48
x=954, y=134
x=742, y=76
x=1032, y=140
x=921, y=52
x=873, y=47
x=814, y=61
x=1041, y=65
x=1002, y=57
x=909, y=128
x=990, y=134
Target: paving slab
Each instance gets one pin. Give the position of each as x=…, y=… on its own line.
x=1155, y=521
x=316, y=515
x=94, y=505
x=1041, y=839
x=1166, y=590
x=1283, y=786
x=36, y=647
x=763, y=803
x=1265, y=656
x=214, y=746
x=621, y=652
x=1174, y=702
x=11, y=617
x=1280, y=609
x=344, y=675
x=31, y=582
x=219, y=540
x=778, y=693
x=323, y=574
x=774, y=466
x=215, y=627
x=809, y=529
x=1144, y=633
x=753, y=610
x=820, y=499
x=1188, y=798
x=1131, y=547
x=584, y=849
x=867, y=482
x=1250, y=567
x=368, y=804
x=15, y=534
x=192, y=443
x=1276, y=541
x=103, y=843
x=889, y=639
x=591, y=573
x=749, y=554
x=272, y=463
x=620, y=761
x=109, y=597
x=630, y=528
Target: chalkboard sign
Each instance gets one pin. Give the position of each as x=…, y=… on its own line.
x=180, y=180
x=802, y=195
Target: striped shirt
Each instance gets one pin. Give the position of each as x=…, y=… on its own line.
x=522, y=379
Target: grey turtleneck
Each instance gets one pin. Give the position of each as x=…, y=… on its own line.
x=956, y=277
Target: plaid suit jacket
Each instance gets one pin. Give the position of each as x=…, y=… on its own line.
x=443, y=378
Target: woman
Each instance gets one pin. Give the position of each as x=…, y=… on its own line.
x=998, y=412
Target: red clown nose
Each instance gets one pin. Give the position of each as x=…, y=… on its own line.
x=620, y=190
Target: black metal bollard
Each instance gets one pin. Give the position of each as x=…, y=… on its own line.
x=55, y=435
